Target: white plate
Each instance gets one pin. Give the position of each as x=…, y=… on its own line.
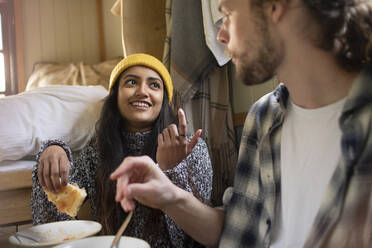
x=55, y=233
x=105, y=241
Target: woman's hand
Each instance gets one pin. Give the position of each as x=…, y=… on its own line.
x=54, y=168
x=139, y=178
x=173, y=146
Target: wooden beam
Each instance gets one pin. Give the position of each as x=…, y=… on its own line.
x=239, y=119
x=15, y=179
x=18, y=16
x=101, y=34
x=15, y=206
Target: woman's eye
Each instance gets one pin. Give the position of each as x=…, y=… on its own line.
x=155, y=85
x=130, y=82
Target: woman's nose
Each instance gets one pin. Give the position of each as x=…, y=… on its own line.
x=142, y=89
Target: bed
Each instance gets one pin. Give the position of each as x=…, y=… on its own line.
x=61, y=101
x=52, y=107
x=15, y=188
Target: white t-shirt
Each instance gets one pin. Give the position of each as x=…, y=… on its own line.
x=310, y=151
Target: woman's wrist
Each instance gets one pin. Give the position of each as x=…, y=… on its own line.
x=55, y=142
x=166, y=166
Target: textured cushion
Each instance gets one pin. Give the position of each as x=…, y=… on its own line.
x=59, y=111
x=45, y=74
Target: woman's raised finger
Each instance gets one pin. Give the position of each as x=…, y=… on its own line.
x=182, y=122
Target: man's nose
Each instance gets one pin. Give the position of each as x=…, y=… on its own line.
x=222, y=36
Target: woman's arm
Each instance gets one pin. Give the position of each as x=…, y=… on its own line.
x=81, y=172
x=42, y=210
x=194, y=174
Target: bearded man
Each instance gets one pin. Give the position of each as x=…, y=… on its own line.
x=304, y=173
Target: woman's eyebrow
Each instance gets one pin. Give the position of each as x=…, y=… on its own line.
x=154, y=78
x=138, y=77
x=132, y=75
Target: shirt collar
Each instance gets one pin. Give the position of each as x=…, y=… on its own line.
x=361, y=90
x=359, y=94
x=279, y=101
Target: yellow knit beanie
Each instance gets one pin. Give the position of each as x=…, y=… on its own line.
x=144, y=60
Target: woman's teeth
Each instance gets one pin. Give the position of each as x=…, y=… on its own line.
x=140, y=104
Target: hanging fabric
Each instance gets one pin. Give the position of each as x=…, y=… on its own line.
x=201, y=87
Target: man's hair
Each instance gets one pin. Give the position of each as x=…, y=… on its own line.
x=346, y=29
x=345, y=26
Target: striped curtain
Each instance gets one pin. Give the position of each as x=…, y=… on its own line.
x=201, y=88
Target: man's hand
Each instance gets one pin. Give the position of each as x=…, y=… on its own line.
x=54, y=168
x=173, y=146
x=139, y=178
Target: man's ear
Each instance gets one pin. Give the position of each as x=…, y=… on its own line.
x=276, y=10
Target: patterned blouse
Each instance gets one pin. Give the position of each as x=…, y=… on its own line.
x=193, y=174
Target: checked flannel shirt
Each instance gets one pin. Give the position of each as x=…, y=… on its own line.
x=345, y=216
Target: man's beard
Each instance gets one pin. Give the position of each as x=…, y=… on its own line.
x=259, y=70
x=263, y=67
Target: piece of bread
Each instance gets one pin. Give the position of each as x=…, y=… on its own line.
x=69, y=200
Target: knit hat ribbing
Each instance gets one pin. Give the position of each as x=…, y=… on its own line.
x=144, y=60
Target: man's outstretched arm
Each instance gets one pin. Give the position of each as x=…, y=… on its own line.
x=140, y=179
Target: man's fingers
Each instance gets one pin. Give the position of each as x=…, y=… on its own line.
x=194, y=141
x=127, y=205
x=121, y=184
x=182, y=122
x=123, y=168
x=138, y=190
x=129, y=164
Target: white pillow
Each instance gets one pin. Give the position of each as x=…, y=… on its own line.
x=59, y=111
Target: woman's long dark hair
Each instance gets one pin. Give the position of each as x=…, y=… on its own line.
x=111, y=150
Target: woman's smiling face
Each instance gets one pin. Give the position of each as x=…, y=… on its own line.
x=140, y=97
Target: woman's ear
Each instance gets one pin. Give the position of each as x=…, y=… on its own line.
x=276, y=10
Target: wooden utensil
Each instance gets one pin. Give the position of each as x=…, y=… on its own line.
x=116, y=241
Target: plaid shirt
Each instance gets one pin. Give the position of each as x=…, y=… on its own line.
x=345, y=216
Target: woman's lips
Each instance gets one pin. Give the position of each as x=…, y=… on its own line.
x=140, y=105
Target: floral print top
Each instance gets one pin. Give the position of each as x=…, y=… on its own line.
x=194, y=174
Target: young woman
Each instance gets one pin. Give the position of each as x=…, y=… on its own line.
x=136, y=119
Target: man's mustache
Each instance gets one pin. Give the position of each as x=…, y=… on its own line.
x=228, y=53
